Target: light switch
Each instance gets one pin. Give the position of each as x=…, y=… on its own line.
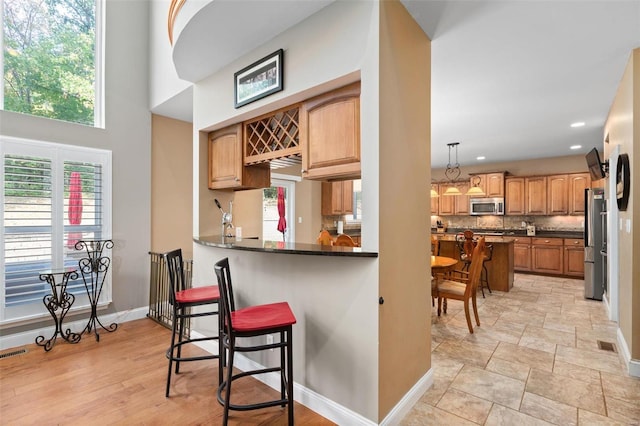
x=299, y=219
x=621, y=224
x=628, y=225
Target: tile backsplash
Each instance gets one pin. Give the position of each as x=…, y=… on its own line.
x=543, y=223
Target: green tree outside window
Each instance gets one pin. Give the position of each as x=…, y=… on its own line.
x=49, y=58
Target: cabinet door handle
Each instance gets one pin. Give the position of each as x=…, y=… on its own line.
x=303, y=171
x=237, y=179
x=546, y=241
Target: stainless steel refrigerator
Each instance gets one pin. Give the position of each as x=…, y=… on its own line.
x=594, y=283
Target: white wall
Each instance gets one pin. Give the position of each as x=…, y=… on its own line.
x=164, y=81
x=128, y=134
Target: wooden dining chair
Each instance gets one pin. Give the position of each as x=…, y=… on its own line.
x=463, y=285
x=344, y=240
x=324, y=239
x=435, y=246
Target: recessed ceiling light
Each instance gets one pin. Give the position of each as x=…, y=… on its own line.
x=577, y=124
x=575, y=147
x=480, y=158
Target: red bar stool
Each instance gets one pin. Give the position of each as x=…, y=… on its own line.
x=254, y=321
x=183, y=299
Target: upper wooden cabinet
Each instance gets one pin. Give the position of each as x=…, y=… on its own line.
x=330, y=135
x=435, y=200
x=546, y=195
x=337, y=198
x=492, y=184
x=578, y=182
x=557, y=194
x=226, y=168
x=515, y=196
x=461, y=202
x=535, y=192
x=447, y=203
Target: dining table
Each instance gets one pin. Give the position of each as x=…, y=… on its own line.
x=440, y=266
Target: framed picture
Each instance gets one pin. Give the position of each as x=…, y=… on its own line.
x=260, y=79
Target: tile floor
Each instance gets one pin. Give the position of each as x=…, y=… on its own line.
x=533, y=361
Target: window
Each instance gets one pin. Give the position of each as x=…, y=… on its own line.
x=52, y=196
x=52, y=56
x=271, y=215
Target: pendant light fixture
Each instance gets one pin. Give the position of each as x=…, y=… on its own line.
x=474, y=187
x=452, y=172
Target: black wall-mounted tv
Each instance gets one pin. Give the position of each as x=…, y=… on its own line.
x=596, y=168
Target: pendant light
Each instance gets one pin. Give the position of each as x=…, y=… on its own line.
x=474, y=187
x=452, y=172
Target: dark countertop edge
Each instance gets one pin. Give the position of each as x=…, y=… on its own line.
x=286, y=248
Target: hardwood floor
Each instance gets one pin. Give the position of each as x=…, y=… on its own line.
x=121, y=381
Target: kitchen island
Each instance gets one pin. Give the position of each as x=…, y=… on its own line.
x=500, y=268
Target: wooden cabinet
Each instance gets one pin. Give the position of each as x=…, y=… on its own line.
x=535, y=192
x=447, y=203
x=495, y=185
x=337, y=198
x=515, y=196
x=330, y=135
x=522, y=254
x=578, y=182
x=557, y=195
x=555, y=256
x=435, y=207
x=462, y=201
x=574, y=257
x=492, y=184
x=546, y=195
x=547, y=255
x=226, y=166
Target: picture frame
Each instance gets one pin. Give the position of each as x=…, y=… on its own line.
x=258, y=80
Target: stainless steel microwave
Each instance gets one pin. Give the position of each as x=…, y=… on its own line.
x=486, y=206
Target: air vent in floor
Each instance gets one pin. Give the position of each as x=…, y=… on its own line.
x=606, y=346
x=13, y=353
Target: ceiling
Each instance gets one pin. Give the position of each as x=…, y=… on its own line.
x=508, y=77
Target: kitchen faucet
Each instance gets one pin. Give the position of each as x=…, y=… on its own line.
x=227, y=217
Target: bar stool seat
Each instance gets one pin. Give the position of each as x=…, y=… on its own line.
x=198, y=295
x=262, y=317
x=254, y=321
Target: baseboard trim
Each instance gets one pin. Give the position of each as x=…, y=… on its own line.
x=310, y=399
x=633, y=365
x=28, y=337
x=407, y=402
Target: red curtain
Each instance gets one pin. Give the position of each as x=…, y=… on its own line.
x=75, y=206
x=282, y=223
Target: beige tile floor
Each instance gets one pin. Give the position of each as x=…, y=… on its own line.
x=533, y=361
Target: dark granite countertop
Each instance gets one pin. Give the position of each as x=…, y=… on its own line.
x=282, y=247
x=515, y=233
